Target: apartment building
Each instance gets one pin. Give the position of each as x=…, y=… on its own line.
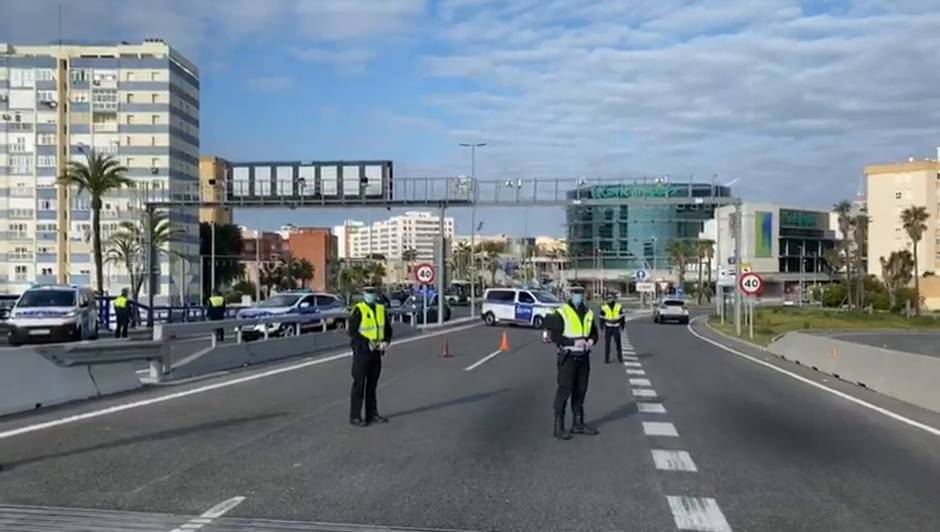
x=136, y=102
x=891, y=189
x=412, y=230
x=318, y=246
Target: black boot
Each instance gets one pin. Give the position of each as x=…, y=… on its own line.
x=560, y=431
x=580, y=427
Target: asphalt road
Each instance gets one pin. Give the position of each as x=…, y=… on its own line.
x=724, y=444
x=923, y=343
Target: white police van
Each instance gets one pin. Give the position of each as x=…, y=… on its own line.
x=518, y=306
x=53, y=313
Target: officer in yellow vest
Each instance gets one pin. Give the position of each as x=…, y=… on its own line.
x=122, y=314
x=574, y=332
x=370, y=332
x=216, y=312
x=613, y=325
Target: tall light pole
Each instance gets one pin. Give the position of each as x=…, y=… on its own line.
x=473, y=220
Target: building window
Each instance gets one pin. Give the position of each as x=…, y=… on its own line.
x=46, y=271
x=46, y=161
x=154, y=119
x=127, y=141
x=155, y=162
x=46, y=139
x=19, y=145
x=130, y=119
x=45, y=96
x=153, y=141
x=898, y=195
x=130, y=98
x=21, y=164
x=46, y=228
x=130, y=162
x=45, y=205
x=45, y=74
x=19, y=273
x=154, y=98
x=131, y=76
x=155, y=75
x=79, y=96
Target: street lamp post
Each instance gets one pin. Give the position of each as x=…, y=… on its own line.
x=473, y=220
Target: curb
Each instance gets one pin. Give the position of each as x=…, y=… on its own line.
x=732, y=338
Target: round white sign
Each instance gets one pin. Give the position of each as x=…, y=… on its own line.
x=751, y=283
x=425, y=273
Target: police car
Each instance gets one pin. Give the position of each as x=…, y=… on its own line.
x=53, y=313
x=321, y=307
x=518, y=306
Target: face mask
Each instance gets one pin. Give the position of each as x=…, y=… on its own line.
x=577, y=299
x=369, y=298
x=612, y=302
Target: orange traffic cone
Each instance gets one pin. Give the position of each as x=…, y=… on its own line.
x=445, y=352
x=504, y=343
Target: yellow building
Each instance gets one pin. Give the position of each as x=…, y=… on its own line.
x=891, y=189
x=212, y=173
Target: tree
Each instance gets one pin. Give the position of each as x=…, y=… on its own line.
x=846, y=226
x=896, y=271
x=462, y=259
x=704, y=249
x=914, y=220
x=271, y=274
x=228, y=251
x=860, y=238
x=97, y=176
x=302, y=270
x=680, y=251
x=834, y=261
x=493, y=264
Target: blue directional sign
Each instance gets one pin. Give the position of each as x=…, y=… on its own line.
x=641, y=275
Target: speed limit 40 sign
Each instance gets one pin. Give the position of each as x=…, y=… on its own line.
x=425, y=273
x=751, y=284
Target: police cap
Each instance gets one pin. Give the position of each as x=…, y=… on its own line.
x=576, y=289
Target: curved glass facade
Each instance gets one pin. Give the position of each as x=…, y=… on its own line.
x=632, y=236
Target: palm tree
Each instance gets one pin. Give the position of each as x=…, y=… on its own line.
x=303, y=270
x=914, y=220
x=846, y=226
x=270, y=275
x=462, y=260
x=493, y=264
x=704, y=249
x=97, y=176
x=680, y=251
x=860, y=237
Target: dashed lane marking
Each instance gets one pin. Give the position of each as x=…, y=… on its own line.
x=644, y=392
x=666, y=460
x=884, y=411
x=209, y=387
x=694, y=513
x=631, y=371
x=660, y=428
x=210, y=515
x=480, y=362
x=640, y=382
x=650, y=408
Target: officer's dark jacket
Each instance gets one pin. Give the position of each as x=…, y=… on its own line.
x=555, y=325
x=355, y=318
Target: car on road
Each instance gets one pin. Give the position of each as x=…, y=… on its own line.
x=53, y=313
x=518, y=306
x=6, y=305
x=671, y=309
x=319, y=306
x=414, y=305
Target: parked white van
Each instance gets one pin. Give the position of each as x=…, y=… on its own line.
x=53, y=313
x=518, y=306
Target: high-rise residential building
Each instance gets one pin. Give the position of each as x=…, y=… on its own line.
x=344, y=236
x=415, y=230
x=891, y=189
x=136, y=102
x=212, y=176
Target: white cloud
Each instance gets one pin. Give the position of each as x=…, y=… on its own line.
x=349, y=60
x=340, y=20
x=797, y=104
x=271, y=83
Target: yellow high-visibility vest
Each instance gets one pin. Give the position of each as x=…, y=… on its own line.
x=372, y=324
x=120, y=302
x=216, y=301
x=611, y=314
x=576, y=328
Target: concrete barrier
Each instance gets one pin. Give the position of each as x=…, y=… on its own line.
x=231, y=356
x=906, y=376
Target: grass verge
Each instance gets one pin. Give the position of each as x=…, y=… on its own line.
x=772, y=322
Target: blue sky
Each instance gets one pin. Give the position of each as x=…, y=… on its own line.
x=791, y=97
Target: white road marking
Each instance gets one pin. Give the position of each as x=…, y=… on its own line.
x=644, y=392
x=673, y=461
x=480, y=362
x=640, y=382
x=631, y=371
x=629, y=358
x=650, y=408
x=210, y=515
x=659, y=428
x=633, y=364
x=884, y=411
x=694, y=513
x=207, y=388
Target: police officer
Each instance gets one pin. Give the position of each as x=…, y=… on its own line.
x=613, y=324
x=369, y=332
x=216, y=312
x=574, y=332
x=122, y=312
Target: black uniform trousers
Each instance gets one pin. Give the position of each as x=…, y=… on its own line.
x=123, y=317
x=573, y=374
x=366, y=368
x=612, y=332
x=218, y=316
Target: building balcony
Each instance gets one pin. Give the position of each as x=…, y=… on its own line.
x=105, y=127
x=20, y=256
